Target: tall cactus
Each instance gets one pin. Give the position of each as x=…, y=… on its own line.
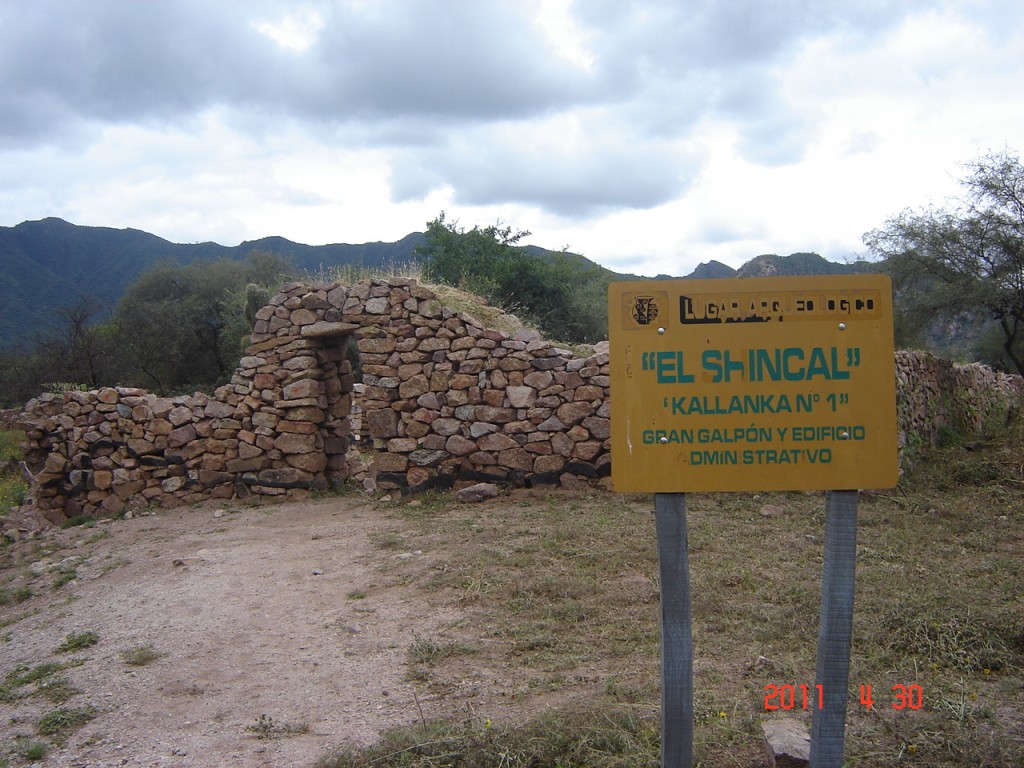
x=256, y=297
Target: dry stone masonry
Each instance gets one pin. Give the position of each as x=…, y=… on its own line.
x=445, y=402
x=935, y=395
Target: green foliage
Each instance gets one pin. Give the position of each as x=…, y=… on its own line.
x=61, y=722
x=181, y=327
x=19, y=595
x=10, y=444
x=177, y=328
x=563, y=294
x=256, y=297
x=140, y=655
x=80, y=353
x=77, y=641
x=963, y=266
x=31, y=751
x=12, y=488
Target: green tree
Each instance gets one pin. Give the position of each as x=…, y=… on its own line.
x=561, y=293
x=183, y=327
x=963, y=263
x=79, y=352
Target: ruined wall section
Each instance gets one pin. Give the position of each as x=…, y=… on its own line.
x=935, y=395
x=446, y=401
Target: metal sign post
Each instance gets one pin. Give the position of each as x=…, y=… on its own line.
x=676, y=631
x=835, y=629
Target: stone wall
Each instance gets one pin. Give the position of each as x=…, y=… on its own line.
x=445, y=402
x=935, y=395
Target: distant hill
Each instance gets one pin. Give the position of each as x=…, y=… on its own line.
x=770, y=265
x=51, y=263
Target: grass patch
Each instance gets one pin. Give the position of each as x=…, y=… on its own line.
x=10, y=444
x=388, y=540
x=425, y=650
x=56, y=689
x=64, y=576
x=266, y=727
x=140, y=656
x=98, y=536
x=350, y=274
x=60, y=723
x=77, y=641
x=561, y=594
x=12, y=492
x=30, y=750
x=14, y=596
x=86, y=521
x=12, y=488
x=960, y=642
x=619, y=737
x=47, y=683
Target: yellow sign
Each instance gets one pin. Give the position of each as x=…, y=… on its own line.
x=776, y=383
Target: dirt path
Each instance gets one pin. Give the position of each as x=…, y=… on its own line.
x=291, y=612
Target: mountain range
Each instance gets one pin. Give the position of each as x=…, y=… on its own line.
x=51, y=263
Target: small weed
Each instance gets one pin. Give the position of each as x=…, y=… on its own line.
x=388, y=540
x=61, y=722
x=427, y=651
x=356, y=594
x=266, y=727
x=31, y=750
x=12, y=492
x=98, y=536
x=64, y=577
x=19, y=595
x=10, y=444
x=76, y=641
x=424, y=651
x=58, y=690
x=140, y=655
x=87, y=521
x=23, y=675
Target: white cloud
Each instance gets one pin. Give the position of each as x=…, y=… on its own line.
x=297, y=30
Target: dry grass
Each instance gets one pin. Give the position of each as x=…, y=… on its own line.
x=563, y=594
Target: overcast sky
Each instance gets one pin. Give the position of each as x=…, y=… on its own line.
x=648, y=136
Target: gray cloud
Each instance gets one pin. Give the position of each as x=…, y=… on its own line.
x=159, y=60
x=460, y=93
x=584, y=176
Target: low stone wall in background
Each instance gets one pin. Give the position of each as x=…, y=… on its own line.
x=935, y=395
x=445, y=402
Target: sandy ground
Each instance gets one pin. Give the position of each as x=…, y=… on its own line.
x=293, y=612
